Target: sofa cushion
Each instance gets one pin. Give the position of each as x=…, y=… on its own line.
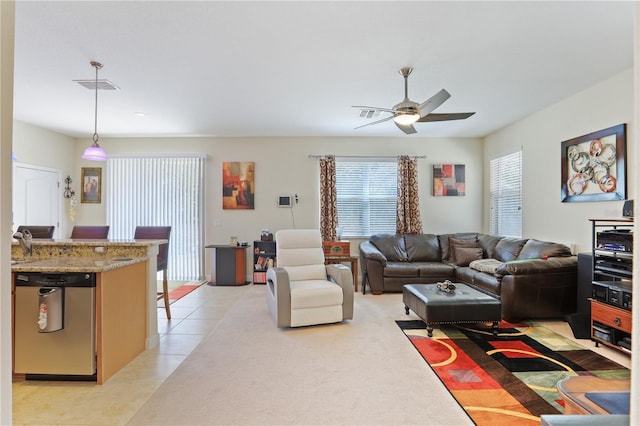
x=314, y=294
x=437, y=269
x=487, y=283
x=422, y=247
x=537, y=249
x=401, y=269
x=463, y=255
x=391, y=245
x=488, y=243
x=490, y=266
x=458, y=242
x=508, y=249
x=444, y=241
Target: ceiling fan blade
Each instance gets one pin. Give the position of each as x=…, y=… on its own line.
x=392, y=111
x=407, y=128
x=375, y=122
x=446, y=116
x=433, y=102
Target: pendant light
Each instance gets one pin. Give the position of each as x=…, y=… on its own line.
x=95, y=152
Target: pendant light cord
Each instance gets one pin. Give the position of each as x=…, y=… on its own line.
x=97, y=66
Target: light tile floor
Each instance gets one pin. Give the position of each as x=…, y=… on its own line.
x=116, y=401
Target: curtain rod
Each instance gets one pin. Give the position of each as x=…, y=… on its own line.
x=365, y=156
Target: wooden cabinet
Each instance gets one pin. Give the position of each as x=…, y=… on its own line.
x=228, y=265
x=264, y=257
x=611, y=325
x=121, y=299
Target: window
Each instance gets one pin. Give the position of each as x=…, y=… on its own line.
x=367, y=193
x=505, y=199
x=162, y=191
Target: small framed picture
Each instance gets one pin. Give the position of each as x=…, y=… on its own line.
x=449, y=180
x=91, y=185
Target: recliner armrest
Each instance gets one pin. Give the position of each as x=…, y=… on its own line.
x=342, y=276
x=278, y=285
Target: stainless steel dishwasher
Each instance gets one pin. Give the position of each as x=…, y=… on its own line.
x=55, y=325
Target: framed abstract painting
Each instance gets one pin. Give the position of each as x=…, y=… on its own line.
x=448, y=180
x=238, y=185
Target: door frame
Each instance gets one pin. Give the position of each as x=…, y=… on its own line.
x=57, y=231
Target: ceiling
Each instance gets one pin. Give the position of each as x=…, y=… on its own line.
x=253, y=69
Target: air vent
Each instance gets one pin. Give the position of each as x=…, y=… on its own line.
x=369, y=113
x=102, y=84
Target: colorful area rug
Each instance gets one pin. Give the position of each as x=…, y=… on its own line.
x=509, y=379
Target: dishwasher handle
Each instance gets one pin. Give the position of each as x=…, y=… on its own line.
x=50, y=309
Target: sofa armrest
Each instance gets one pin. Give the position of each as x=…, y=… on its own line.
x=371, y=252
x=538, y=266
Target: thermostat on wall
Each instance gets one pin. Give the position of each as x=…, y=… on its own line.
x=284, y=200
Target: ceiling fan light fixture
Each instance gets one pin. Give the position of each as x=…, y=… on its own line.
x=406, y=119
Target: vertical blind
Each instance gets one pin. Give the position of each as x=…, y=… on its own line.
x=367, y=193
x=505, y=197
x=160, y=191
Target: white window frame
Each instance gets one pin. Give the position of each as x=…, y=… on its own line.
x=362, y=184
x=505, y=195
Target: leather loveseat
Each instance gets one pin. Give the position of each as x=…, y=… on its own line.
x=532, y=278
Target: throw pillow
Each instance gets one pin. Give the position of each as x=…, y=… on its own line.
x=456, y=242
x=464, y=255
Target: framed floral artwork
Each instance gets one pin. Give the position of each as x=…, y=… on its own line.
x=91, y=185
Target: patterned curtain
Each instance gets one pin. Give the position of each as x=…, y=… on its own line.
x=408, y=212
x=328, y=201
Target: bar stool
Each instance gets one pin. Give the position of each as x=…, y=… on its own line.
x=158, y=233
x=39, y=231
x=90, y=232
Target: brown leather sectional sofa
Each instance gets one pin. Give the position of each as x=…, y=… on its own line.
x=533, y=279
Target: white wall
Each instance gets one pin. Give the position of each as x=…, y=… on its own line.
x=37, y=146
x=7, y=33
x=283, y=166
x=545, y=217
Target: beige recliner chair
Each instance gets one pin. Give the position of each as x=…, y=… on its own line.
x=302, y=290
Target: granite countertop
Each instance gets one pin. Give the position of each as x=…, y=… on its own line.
x=92, y=243
x=73, y=264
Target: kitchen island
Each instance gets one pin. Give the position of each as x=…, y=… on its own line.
x=125, y=293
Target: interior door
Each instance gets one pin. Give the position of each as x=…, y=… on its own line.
x=36, y=196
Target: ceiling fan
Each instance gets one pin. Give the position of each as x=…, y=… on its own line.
x=408, y=112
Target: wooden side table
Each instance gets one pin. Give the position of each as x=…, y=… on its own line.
x=228, y=265
x=345, y=259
